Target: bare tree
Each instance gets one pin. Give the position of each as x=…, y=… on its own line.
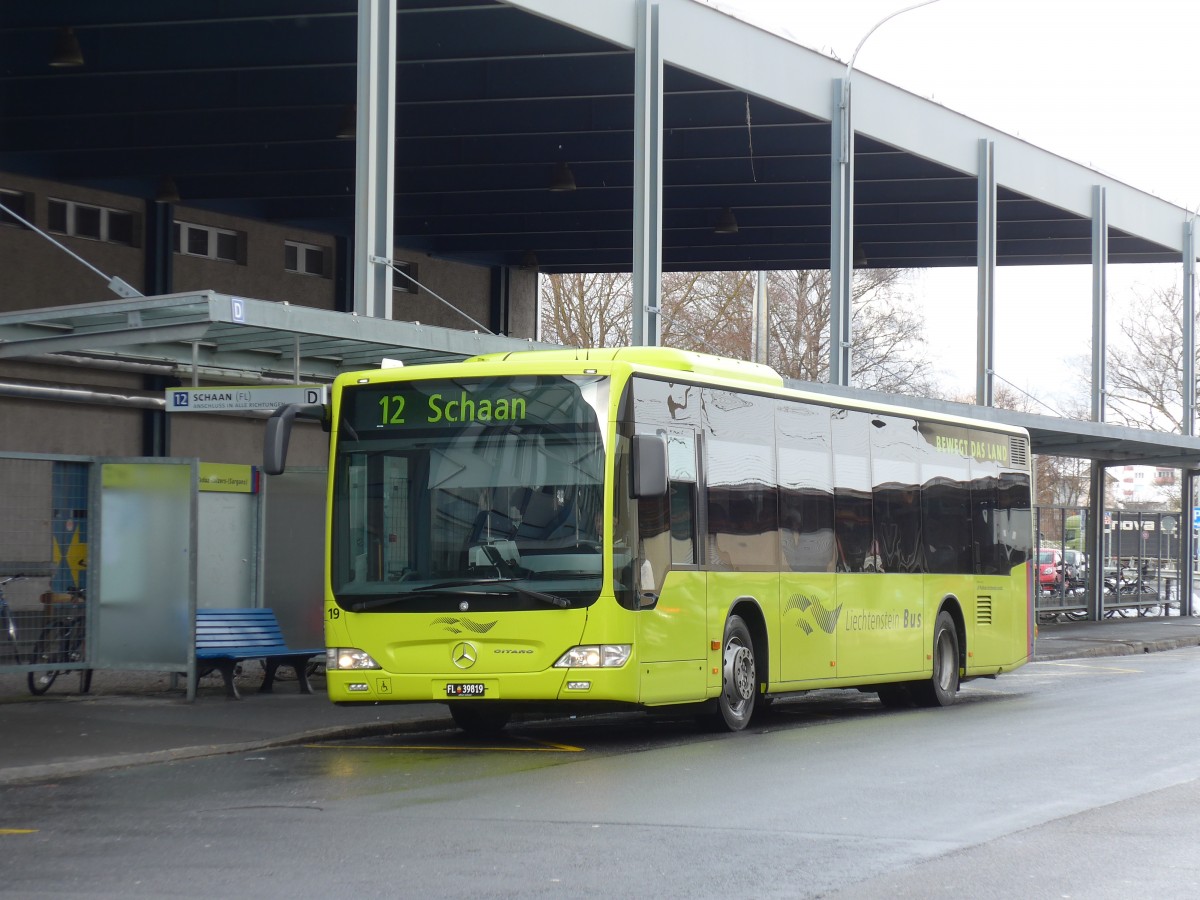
x=712, y=312
x=586, y=310
x=1145, y=369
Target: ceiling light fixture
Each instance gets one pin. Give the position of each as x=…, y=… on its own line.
x=168, y=191
x=67, y=52
x=562, y=179
x=726, y=223
x=348, y=129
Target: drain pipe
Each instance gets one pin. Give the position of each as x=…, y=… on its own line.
x=33, y=390
x=168, y=370
x=128, y=399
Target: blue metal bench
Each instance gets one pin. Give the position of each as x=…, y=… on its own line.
x=225, y=637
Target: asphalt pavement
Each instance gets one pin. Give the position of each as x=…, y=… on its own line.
x=132, y=718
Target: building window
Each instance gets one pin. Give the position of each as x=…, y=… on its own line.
x=403, y=285
x=207, y=242
x=305, y=259
x=19, y=203
x=96, y=223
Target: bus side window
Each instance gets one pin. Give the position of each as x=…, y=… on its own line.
x=683, y=523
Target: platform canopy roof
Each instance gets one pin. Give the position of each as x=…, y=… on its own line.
x=241, y=105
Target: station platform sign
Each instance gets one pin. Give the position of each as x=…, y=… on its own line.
x=243, y=398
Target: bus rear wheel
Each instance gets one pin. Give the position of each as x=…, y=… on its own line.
x=477, y=720
x=739, y=678
x=942, y=688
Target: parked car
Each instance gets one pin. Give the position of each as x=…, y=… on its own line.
x=1076, y=561
x=1050, y=570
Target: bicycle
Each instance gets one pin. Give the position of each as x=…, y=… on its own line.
x=62, y=641
x=7, y=621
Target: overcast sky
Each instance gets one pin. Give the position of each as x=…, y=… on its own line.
x=1113, y=85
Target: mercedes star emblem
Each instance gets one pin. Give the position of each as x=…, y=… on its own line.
x=464, y=655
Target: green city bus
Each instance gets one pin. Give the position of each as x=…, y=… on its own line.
x=584, y=530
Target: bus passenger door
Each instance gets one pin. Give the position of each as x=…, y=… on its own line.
x=670, y=586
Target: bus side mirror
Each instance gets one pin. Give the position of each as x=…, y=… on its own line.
x=649, y=466
x=279, y=432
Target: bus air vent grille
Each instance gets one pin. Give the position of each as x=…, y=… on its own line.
x=1018, y=452
x=983, y=611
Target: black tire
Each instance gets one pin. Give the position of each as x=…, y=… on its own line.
x=739, y=678
x=47, y=651
x=478, y=720
x=942, y=688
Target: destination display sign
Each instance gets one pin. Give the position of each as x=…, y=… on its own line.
x=449, y=404
x=225, y=399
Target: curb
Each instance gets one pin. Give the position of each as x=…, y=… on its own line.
x=1116, y=648
x=71, y=768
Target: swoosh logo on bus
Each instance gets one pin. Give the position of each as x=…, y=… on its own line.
x=455, y=625
x=825, y=618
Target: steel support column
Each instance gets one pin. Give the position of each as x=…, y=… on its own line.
x=1099, y=302
x=985, y=255
x=1095, y=531
x=1187, y=549
x=1189, y=327
x=1187, y=545
x=1094, y=544
x=647, y=177
x=760, y=318
x=374, y=181
x=499, y=288
x=841, y=234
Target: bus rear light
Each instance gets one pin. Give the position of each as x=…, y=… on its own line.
x=595, y=656
x=348, y=658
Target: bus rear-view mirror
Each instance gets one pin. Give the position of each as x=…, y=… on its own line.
x=649, y=465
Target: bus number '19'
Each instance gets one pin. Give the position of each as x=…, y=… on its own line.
x=393, y=409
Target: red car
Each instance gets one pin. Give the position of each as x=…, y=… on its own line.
x=1049, y=569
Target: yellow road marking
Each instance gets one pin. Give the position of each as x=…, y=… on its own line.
x=18, y=831
x=539, y=747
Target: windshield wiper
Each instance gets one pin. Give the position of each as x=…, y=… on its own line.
x=456, y=587
x=552, y=599
x=442, y=587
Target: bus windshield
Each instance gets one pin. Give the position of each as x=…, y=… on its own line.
x=480, y=487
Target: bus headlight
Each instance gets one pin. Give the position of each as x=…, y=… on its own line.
x=595, y=656
x=348, y=658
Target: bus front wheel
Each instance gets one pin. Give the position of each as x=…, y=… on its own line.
x=942, y=688
x=739, y=678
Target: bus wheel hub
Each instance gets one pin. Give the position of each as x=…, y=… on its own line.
x=739, y=672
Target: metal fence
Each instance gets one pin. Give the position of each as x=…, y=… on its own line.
x=1139, y=563
x=43, y=562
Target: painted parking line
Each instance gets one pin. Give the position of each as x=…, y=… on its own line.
x=4, y=831
x=531, y=747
